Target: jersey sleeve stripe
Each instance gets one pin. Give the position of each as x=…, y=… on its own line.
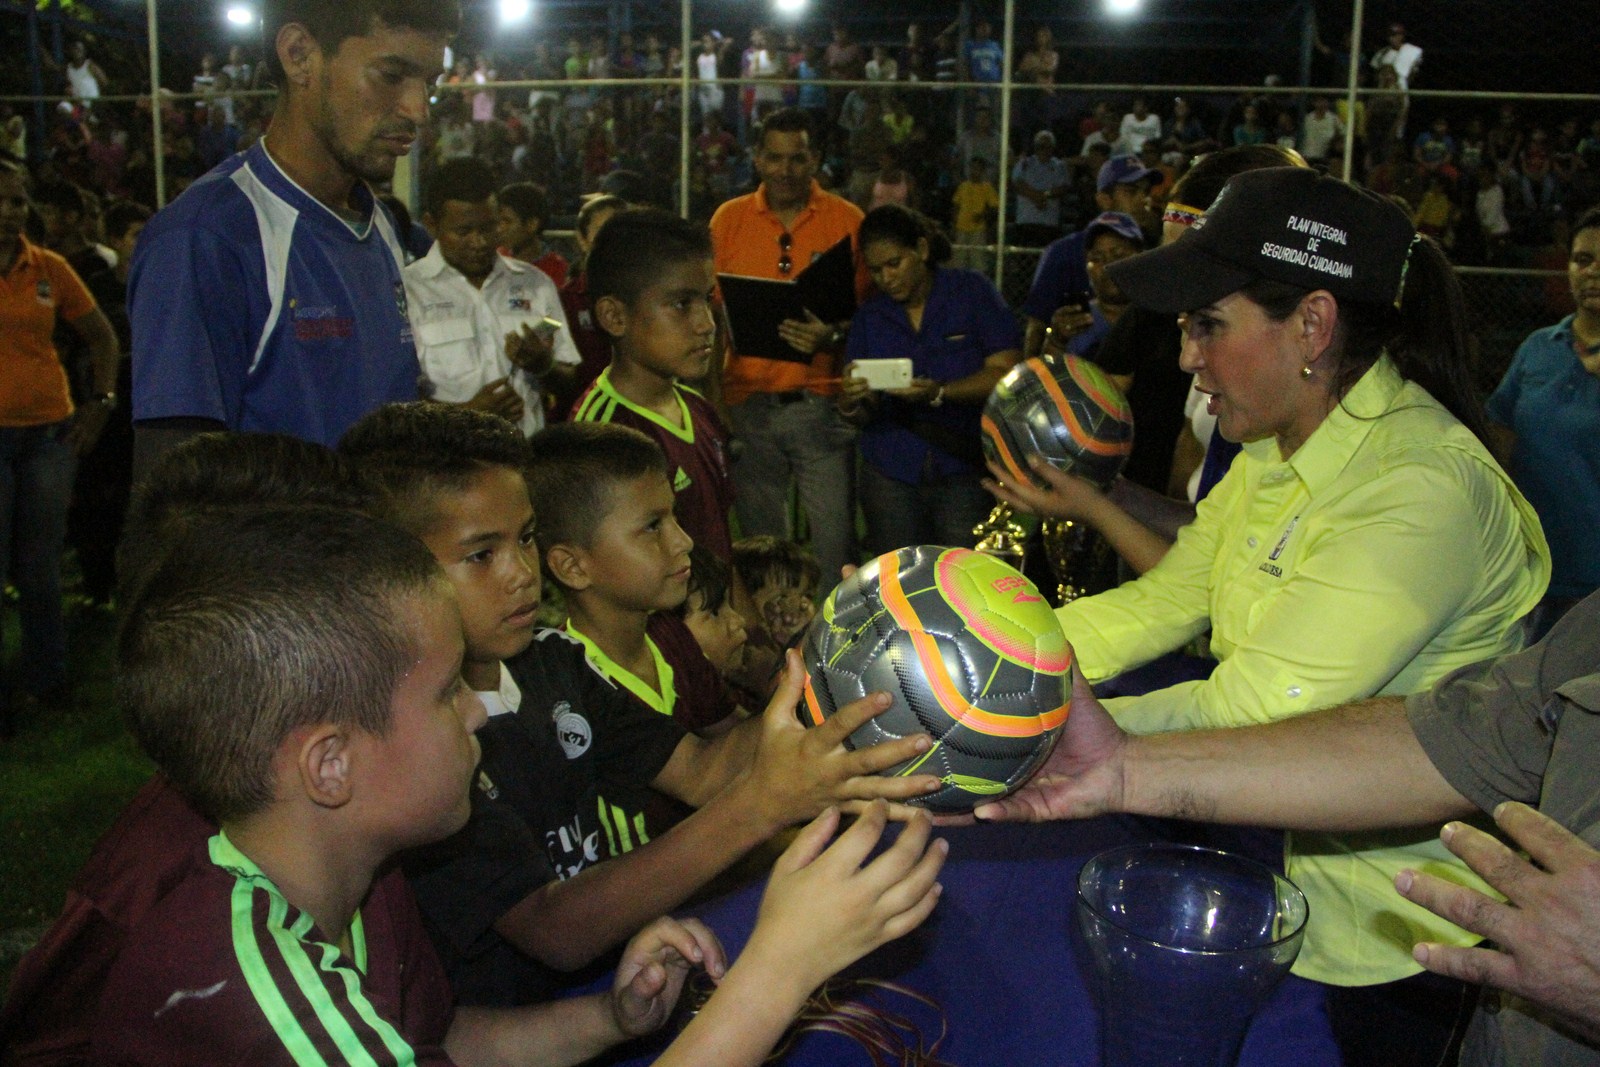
x=274, y=953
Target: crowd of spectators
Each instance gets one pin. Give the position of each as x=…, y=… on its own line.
x=1495, y=184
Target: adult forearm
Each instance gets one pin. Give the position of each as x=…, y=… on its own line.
x=1138, y=545
x=1163, y=515
x=1033, y=337
x=1357, y=767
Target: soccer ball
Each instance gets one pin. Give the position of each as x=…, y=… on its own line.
x=1067, y=412
x=970, y=652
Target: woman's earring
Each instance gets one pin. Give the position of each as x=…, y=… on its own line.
x=1305, y=372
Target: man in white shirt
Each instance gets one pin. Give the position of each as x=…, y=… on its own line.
x=1400, y=54
x=481, y=320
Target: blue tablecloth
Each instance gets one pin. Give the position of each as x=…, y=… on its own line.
x=1004, y=961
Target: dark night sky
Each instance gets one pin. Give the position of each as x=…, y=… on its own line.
x=1538, y=46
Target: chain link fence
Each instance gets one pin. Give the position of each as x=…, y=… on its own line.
x=625, y=97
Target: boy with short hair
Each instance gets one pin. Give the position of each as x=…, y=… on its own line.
x=285, y=939
x=650, y=279
x=46, y=1016
x=524, y=211
x=521, y=891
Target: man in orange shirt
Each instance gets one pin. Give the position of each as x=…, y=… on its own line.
x=785, y=426
x=40, y=434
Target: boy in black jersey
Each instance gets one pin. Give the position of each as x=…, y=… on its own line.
x=520, y=890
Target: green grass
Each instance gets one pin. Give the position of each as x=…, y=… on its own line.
x=63, y=779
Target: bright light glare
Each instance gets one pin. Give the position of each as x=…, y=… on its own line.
x=240, y=15
x=1122, y=7
x=515, y=10
x=790, y=7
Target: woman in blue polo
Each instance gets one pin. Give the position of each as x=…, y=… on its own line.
x=921, y=463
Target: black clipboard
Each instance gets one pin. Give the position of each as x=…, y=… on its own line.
x=826, y=287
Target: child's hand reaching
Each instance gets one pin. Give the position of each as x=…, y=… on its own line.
x=823, y=909
x=799, y=771
x=653, y=969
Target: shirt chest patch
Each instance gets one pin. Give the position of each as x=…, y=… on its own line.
x=1271, y=565
x=45, y=293
x=572, y=730
x=320, y=322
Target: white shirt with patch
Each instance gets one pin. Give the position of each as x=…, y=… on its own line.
x=461, y=331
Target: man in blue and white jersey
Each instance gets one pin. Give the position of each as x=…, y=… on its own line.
x=268, y=297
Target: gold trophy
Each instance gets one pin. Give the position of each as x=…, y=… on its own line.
x=1069, y=547
x=1004, y=535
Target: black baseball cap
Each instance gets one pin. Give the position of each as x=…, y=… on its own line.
x=1282, y=224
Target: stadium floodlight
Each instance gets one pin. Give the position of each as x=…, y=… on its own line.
x=240, y=15
x=1123, y=8
x=515, y=11
x=790, y=7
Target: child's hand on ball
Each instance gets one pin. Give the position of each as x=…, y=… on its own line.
x=797, y=772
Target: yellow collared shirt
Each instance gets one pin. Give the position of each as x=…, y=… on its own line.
x=1387, y=551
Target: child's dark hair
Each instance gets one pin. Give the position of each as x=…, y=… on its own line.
x=261, y=621
x=217, y=472
x=762, y=560
x=416, y=451
x=709, y=577
x=331, y=21
x=634, y=248
x=905, y=227
x=527, y=201
x=122, y=216
x=573, y=470
x=594, y=206
x=467, y=179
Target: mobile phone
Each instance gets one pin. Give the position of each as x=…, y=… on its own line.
x=546, y=327
x=883, y=373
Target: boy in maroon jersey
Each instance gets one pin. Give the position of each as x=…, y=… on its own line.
x=651, y=280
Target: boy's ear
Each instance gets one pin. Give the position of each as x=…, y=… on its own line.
x=612, y=314
x=322, y=761
x=569, y=566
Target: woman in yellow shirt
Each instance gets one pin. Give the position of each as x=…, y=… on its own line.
x=1364, y=542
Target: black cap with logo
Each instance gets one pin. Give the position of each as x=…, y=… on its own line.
x=1282, y=224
